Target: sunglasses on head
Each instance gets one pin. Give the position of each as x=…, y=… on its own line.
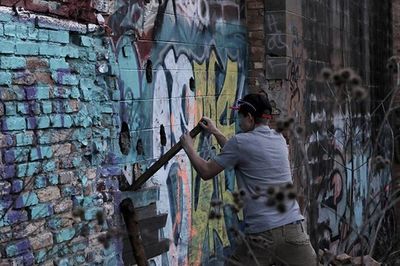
x=240, y=102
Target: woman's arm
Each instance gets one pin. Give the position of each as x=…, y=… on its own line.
x=210, y=127
x=206, y=169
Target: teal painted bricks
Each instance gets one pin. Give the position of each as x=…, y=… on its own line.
x=12, y=62
x=41, y=210
x=44, y=152
x=58, y=36
x=26, y=48
x=6, y=47
x=5, y=78
x=65, y=235
x=26, y=199
x=18, y=248
x=13, y=123
x=58, y=63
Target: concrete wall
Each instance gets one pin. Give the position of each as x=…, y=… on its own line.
x=81, y=119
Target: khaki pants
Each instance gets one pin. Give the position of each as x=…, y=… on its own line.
x=285, y=245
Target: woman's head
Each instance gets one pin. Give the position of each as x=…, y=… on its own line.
x=253, y=109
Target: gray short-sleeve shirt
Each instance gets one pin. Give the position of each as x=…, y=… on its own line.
x=261, y=160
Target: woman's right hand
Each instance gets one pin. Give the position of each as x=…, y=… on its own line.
x=207, y=124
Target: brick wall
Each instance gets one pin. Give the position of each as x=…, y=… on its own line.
x=256, y=37
x=51, y=121
x=301, y=38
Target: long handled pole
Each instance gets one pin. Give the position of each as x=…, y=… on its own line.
x=163, y=159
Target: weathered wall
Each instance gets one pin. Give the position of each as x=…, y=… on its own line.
x=81, y=118
x=302, y=37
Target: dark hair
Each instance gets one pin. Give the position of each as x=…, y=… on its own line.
x=258, y=105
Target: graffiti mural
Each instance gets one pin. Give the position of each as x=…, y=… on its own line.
x=350, y=192
x=197, y=53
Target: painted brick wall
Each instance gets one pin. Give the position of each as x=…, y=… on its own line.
x=301, y=38
x=81, y=118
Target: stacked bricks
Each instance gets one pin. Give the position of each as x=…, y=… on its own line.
x=53, y=115
x=256, y=38
x=84, y=11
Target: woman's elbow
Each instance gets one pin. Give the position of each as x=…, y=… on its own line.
x=206, y=176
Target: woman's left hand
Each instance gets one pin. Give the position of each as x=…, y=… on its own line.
x=187, y=141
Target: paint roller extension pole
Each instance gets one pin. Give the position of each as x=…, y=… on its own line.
x=164, y=159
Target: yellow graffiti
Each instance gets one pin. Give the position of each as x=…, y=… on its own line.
x=214, y=105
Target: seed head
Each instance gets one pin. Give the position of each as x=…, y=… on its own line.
x=346, y=73
x=216, y=202
x=359, y=93
x=270, y=202
x=355, y=80
x=292, y=195
x=271, y=191
x=326, y=73
x=100, y=217
x=78, y=212
x=281, y=207
x=212, y=215
x=300, y=130
x=280, y=196
x=280, y=126
x=337, y=79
